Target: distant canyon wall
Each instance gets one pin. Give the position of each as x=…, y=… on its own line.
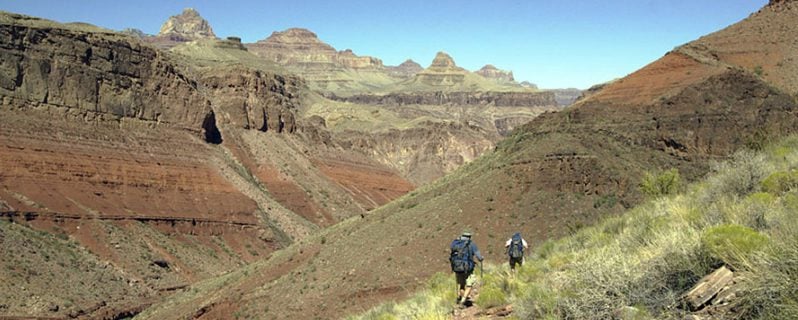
x=499, y=99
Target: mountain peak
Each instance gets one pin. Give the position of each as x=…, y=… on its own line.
x=491, y=72
x=296, y=32
x=443, y=60
x=188, y=24
x=409, y=63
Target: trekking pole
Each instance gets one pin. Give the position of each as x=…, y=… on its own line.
x=481, y=271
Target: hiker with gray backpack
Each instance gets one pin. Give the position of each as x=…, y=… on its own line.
x=515, y=250
x=461, y=258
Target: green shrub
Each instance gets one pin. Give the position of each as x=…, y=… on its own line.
x=758, y=70
x=537, y=302
x=730, y=243
x=781, y=182
x=662, y=184
x=490, y=296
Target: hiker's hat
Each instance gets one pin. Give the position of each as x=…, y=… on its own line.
x=467, y=234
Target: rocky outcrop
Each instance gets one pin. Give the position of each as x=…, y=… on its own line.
x=407, y=69
x=424, y=153
x=92, y=76
x=491, y=72
x=301, y=52
x=301, y=49
x=442, y=72
x=499, y=99
x=296, y=47
x=186, y=26
x=349, y=60
x=566, y=97
x=252, y=99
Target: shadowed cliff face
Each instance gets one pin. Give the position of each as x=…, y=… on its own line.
x=491, y=72
x=95, y=76
x=252, y=99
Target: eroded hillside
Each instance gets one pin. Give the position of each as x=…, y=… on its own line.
x=560, y=172
x=154, y=172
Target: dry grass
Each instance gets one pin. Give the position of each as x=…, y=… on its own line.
x=743, y=214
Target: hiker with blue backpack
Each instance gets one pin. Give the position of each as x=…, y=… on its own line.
x=515, y=250
x=463, y=251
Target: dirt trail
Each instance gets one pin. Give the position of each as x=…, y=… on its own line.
x=474, y=312
x=293, y=225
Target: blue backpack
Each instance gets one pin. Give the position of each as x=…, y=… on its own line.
x=460, y=257
x=516, y=249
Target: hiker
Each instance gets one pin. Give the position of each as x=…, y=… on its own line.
x=515, y=250
x=462, y=255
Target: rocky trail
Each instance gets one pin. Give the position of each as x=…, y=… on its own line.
x=472, y=311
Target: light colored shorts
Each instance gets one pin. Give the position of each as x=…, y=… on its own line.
x=466, y=280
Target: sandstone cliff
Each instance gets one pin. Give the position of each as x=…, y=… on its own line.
x=95, y=76
x=188, y=25
x=184, y=27
x=491, y=72
x=499, y=99
x=442, y=72
x=251, y=99
x=296, y=46
x=301, y=52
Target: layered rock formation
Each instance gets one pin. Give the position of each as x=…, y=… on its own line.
x=95, y=76
x=407, y=69
x=499, y=99
x=491, y=72
x=296, y=47
x=424, y=153
x=442, y=72
x=251, y=99
x=300, y=51
x=566, y=97
x=184, y=27
x=157, y=173
x=349, y=60
x=188, y=25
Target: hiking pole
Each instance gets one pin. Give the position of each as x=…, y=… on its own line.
x=481, y=271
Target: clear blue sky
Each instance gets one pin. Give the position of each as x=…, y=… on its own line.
x=553, y=43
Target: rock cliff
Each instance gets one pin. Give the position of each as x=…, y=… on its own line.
x=296, y=47
x=491, y=72
x=188, y=25
x=95, y=76
x=251, y=99
x=499, y=99
x=442, y=72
